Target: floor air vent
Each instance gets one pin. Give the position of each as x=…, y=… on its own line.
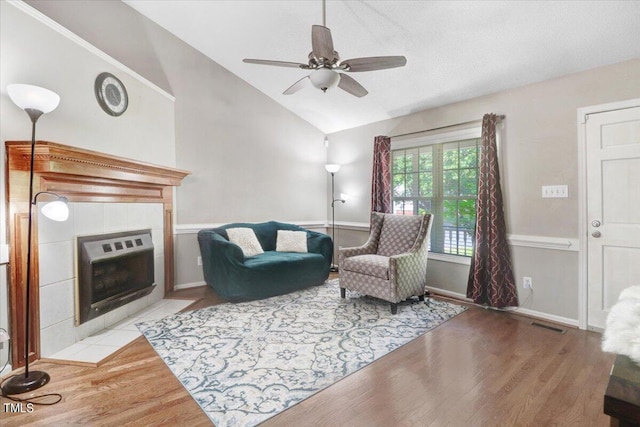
x=551, y=328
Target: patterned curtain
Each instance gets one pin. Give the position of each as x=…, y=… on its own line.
x=381, y=177
x=491, y=280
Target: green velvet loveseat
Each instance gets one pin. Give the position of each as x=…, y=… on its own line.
x=238, y=278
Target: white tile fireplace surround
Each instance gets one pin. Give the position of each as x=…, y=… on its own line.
x=57, y=249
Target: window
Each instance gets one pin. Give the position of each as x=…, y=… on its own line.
x=439, y=178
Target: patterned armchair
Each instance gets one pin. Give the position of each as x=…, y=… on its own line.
x=392, y=264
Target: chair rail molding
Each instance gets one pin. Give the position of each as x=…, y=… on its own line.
x=194, y=228
x=523, y=240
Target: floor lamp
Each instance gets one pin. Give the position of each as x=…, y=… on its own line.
x=332, y=169
x=36, y=101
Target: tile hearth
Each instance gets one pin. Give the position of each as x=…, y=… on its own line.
x=102, y=345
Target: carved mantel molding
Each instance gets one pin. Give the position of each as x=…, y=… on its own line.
x=81, y=176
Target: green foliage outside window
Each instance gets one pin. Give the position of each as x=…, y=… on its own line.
x=441, y=179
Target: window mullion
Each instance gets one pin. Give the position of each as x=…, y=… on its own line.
x=415, y=187
x=437, y=206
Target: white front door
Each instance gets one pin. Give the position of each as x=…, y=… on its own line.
x=613, y=208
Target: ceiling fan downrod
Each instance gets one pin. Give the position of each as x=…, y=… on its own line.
x=324, y=13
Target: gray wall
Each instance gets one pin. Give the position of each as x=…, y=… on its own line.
x=234, y=139
x=539, y=147
x=34, y=53
x=250, y=158
x=225, y=128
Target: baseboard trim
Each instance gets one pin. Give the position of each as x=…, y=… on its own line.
x=549, y=317
x=449, y=294
x=5, y=371
x=520, y=310
x=189, y=285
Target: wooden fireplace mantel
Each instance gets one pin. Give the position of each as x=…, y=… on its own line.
x=81, y=176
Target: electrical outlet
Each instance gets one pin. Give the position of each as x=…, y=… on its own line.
x=527, y=283
x=4, y=335
x=199, y=261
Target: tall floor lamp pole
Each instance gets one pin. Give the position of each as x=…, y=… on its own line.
x=332, y=169
x=35, y=101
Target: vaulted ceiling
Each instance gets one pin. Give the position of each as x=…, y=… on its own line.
x=455, y=50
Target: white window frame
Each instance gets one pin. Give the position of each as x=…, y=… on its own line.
x=440, y=138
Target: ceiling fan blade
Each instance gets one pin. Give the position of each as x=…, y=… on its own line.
x=373, y=63
x=276, y=63
x=348, y=84
x=300, y=84
x=322, y=42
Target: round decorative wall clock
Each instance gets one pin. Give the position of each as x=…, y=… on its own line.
x=111, y=94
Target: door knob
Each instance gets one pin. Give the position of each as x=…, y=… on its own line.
x=596, y=223
x=596, y=234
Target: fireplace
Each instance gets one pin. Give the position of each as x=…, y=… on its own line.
x=113, y=270
x=83, y=176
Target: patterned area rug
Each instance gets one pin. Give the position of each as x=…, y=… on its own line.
x=244, y=363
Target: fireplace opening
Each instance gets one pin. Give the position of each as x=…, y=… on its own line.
x=113, y=270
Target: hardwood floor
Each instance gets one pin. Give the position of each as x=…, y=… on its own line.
x=481, y=368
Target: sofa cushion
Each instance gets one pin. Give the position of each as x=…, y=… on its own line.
x=246, y=239
x=274, y=266
x=399, y=233
x=371, y=265
x=291, y=241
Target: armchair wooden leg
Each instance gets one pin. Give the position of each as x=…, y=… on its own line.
x=427, y=295
x=343, y=292
x=394, y=308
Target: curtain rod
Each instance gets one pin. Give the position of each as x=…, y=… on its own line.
x=500, y=117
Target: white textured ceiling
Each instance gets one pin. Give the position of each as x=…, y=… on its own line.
x=455, y=50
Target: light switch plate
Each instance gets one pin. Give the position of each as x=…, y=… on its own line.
x=555, y=191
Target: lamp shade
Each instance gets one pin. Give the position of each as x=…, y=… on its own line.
x=56, y=210
x=324, y=78
x=332, y=168
x=33, y=97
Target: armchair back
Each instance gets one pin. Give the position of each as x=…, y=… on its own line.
x=399, y=233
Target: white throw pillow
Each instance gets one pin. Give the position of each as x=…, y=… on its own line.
x=246, y=239
x=291, y=241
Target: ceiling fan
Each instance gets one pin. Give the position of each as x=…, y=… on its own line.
x=325, y=63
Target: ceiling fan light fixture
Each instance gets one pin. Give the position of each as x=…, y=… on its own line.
x=324, y=78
